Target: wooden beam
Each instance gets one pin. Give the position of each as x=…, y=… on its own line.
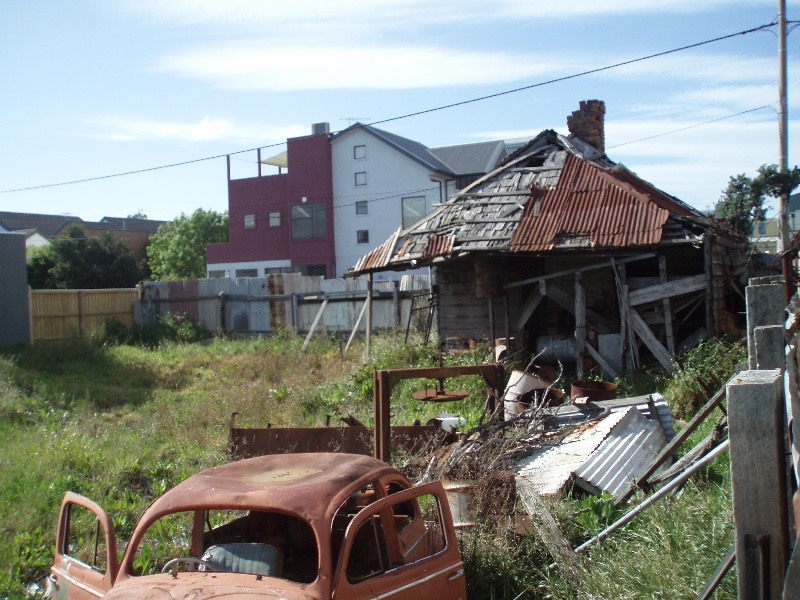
x=662, y=273
x=663, y=355
x=684, y=433
x=602, y=265
x=549, y=532
x=557, y=295
x=600, y=360
x=580, y=323
x=355, y=327
x=530, y=306
x=314, y=325
x=368, y=341
x=676, y=287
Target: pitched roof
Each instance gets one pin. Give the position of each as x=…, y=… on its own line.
x=414, y=150
x=47, y=225
x=554, y=193
x=471, y=159
x=125, y=224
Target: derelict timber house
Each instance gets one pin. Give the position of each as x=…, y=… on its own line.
x=562, y=249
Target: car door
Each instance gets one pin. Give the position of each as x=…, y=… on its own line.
x=404, y=547
x=85, y=564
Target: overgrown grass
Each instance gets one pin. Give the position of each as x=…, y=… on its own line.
x=123, y=423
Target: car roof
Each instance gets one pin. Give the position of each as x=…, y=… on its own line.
x=304, y=484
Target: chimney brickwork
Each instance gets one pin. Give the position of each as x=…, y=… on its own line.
x=588, y=123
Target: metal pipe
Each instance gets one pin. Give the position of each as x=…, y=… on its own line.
x=675, y=483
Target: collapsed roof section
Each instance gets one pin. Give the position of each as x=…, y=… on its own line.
x=555, y=193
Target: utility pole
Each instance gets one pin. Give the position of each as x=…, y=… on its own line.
x=783, y=132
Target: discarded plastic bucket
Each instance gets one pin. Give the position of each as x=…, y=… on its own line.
x=519, y=383
x=461, y=497
x=593, y=390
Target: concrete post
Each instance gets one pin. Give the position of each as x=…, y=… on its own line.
x=765, y=306
x=758, y=482
x=770, y=342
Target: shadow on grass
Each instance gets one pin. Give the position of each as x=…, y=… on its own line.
x=59, y=375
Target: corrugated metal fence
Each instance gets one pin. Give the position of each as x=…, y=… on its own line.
x=293, y=301
x=58, y=314
x=240, y=305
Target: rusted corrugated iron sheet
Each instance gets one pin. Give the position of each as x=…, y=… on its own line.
x=589, y=207
x=377, y=258
x=438, y=245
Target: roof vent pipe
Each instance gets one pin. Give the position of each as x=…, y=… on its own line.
x=588, y=123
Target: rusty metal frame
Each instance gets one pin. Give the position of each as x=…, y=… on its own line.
x=385, y=379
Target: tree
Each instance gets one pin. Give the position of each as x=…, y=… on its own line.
x=178, y=248
x=77, y=262
x=139, y=214
x=742, y=202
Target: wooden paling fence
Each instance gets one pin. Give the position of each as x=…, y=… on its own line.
x=58, y=314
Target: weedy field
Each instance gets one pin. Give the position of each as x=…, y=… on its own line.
x=124, y=416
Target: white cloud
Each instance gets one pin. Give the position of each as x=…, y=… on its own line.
x=391, y=14
x=254, y=66
x=126, y=129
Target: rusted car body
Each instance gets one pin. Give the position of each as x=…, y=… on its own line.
x=281, y=526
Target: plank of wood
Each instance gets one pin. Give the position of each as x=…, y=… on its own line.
x=684, y=433
x=549, y=532
x=355, y=327
x=580, y=323
x=651, y=341
x=601, y=361
x=557, y=295
x=676, y=287
x=662, y=274
x=601, y=265
x=530, y=306
x=314, y=325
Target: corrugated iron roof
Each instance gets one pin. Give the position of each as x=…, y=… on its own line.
x=588, y=207
x=556, y=192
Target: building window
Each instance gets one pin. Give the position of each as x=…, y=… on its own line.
x=413, y=210
x=362, y=207
x=762, y=228
x=309, y=221
x=276, y=270
x=362, y=236
x=361, y=178
x=359, y=152
x=312, y=270
x=275, y=219
x=249, y=221
x=217, y=273
x=247, y=272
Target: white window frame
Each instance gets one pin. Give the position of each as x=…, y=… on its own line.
x=362, y=207
x=360, y=181
x=359, y=152
x=249, y=221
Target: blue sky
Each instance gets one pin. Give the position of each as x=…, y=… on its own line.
x=98, y=87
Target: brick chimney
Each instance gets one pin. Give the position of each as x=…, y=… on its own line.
x=588, y=123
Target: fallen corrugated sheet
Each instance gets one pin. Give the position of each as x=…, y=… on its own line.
x=604, y=455
x=572, y=414
x=622, y=457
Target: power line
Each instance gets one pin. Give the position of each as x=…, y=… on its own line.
x=417, y=113
x=650, y=137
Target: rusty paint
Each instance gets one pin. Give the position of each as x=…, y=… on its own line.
x=412, y=439
x=277, y=310
x=591, y=203
x=438, y=245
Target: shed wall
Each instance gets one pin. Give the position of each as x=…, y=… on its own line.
x=14, y=310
